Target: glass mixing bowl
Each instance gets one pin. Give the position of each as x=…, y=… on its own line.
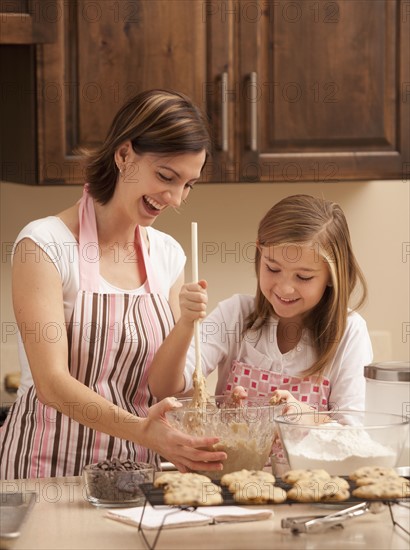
x=246, y=430
x=342, y=441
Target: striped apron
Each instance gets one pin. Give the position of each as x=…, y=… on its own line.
x=112, y=340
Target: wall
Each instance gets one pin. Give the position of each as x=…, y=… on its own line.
x=227, y=216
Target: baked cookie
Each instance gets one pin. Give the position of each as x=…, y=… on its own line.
x=305, y=491
x=252, y=493
x=336, y=489
x=373, y=472
x=318, y=490
x=178, y=478
x=247, y=475
x=339, y=482
x=370, y=480
x=208, y=494
x=293, y=476
x=227, y=479
x=384, y=489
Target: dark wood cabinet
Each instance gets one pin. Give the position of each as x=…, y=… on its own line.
x=106, y=52
x=301, y=90
x=319, y=90
x=28, y=21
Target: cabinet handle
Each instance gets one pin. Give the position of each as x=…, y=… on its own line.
x=253, y=112
x=224, y=112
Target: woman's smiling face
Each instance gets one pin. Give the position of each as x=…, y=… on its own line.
x=152, y=182
x=293, y=278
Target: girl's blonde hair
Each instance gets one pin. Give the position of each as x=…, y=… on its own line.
x=320, y=224
x=155, y=121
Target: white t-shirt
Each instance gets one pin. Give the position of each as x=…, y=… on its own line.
x=222, y=343
x=59, y=246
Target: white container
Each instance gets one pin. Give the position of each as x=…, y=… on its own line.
x=388, y=390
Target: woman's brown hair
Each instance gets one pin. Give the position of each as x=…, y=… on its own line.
x=155, y=121
x=320, y=224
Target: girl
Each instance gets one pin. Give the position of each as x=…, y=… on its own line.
x=95, y=291
x=297, y=336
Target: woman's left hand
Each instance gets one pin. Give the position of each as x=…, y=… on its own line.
x=184, y=451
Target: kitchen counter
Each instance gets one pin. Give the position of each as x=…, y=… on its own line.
x=62, y=518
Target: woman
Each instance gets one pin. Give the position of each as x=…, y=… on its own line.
x=97, y=298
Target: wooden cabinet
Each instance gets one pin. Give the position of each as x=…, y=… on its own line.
x=107, y=51
x=301, y=90
x=318, y=91
x=28, y=21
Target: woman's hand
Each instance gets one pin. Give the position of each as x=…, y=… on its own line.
x=184, y=451
x=193, y=300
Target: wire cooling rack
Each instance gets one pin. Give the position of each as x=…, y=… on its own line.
x=355, y=507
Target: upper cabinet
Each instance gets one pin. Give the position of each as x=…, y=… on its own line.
x=299, y=90
x=106, y=52
x=28, y=21
x=325, y=89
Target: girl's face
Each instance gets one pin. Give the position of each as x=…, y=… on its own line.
x=293, y=279
x=150, y=183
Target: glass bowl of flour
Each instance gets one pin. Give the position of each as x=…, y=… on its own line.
x=342, y=441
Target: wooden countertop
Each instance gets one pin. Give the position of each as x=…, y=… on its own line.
x=62, y=518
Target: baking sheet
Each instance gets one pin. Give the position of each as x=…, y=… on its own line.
x=155, y=495
x=14, y=509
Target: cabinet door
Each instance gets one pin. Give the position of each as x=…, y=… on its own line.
x=28, y=21
x=107, y=51
x=221, y=90
x=324, y=90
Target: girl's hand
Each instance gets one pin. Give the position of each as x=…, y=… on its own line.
x=193, y=300
x=184, y=451
x=239, y=393
x=293, y=406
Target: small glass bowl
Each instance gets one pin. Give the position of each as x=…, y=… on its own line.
x=117, y=484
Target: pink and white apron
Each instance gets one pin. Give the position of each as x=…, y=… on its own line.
x=258, y=382
x=112, y=340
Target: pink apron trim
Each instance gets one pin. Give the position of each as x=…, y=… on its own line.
x=89, y=250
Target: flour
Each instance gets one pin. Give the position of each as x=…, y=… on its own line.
x=340, y=450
